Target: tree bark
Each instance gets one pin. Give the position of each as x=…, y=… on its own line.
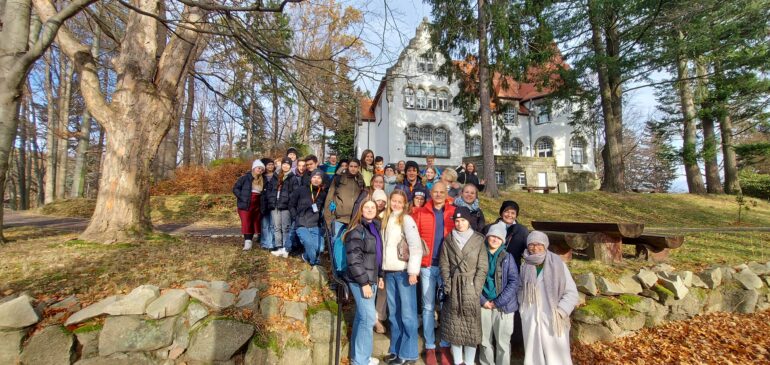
x=611, y=98
x=84, y=136
x=37, y=162
x=22, y=157
x=62, y=132
x=487, y=133
x=713, y=182
x=51, y=140
x=732, y=185
x=188, y=117
x=690, y=138
x=138, y=117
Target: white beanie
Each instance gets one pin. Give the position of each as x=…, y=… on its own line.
x=379, y=194
x=257, y=163
x=538, y=237
x=498, y=230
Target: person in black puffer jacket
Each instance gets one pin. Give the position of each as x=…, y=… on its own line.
x=248, y=190
x=294, y=182
x=305, y=206
x=363, y=248
x=278, y=194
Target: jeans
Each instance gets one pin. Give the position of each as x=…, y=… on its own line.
x=362, y=338
x=430, y=277
x=267, y=239
x=312, y=239
x=496, y=331
x=281, y=225
x=402, y=301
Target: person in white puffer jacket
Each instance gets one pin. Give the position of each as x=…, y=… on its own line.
x=401, y=279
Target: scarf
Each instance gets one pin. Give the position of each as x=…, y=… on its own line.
x=472, y=207
x=462, y=237
x=553, y=279
x=490, y=292
x=378, y=247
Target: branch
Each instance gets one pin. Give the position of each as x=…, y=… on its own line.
x=210, y=6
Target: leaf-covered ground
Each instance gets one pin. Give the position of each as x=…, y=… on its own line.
x=717, y=338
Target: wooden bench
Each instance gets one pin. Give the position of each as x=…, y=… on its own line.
x=545, y=189
x=604, y=241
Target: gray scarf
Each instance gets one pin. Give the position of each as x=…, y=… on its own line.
x=462, y=237
x=474, y=207
x=553, y=279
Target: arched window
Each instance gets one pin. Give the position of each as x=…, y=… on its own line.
x=544, y=147
x=412, y=141
x=577, y=150
x=472, y=145
x=511, y=147
x=441, y=142
x=443, y=101
x=421, y=99
x=408, y=97
x=426, y=141
x=432, y=100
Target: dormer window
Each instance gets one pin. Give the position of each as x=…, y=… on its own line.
x=425, y=64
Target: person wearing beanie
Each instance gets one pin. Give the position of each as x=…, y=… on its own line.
x=499, y=300
x=292, y=154
x=381, y=199
x=305, y=207
x=277, y=192
x=390, y=177
x=469, y=199
x=411, y=180
x=464, y=264
x=418, y=201
x=516, y=236
x=248, y=191
x=547, y=297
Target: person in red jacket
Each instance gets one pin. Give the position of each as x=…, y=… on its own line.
x=434, y=222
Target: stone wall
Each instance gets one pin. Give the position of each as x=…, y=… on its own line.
x=616, y=308
x=511, y=166
x=202, y=323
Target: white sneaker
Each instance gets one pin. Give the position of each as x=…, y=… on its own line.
x=284, y=253
x=247, y=245
x=281, y=252
x=374, y=361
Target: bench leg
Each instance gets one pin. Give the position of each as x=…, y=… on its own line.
x=646, y=253
x=605, y=248
x=565, y=252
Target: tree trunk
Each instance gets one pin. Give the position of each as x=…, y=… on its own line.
x=138, y=116
x=188, y=116
x=51, y=140
x=22, y=158
x=37, y=157
x=84, y=137
x=713, y=182
x=276, y=134
x=689, y=137
x=487, y=133
x=611, y=99
x=65, y=85
x=732, y=185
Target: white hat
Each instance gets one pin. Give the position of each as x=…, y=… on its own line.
x=379, y=194
x=257, y=163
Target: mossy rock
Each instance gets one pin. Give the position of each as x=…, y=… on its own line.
x=606, y=308
x=630, y=299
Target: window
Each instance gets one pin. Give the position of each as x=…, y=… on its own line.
x=473, y=145
x=544, y=147
x=443, y=101
x=426, y=141
x=432, y=100
x=577, y=148
x=511, y=147
x=412, y=141
x=441, y=142
x=500, y=177
x=421, y=99
x=543, y=113
x=521, y=178
x=510, y=117
x=425, y=64
x=409, y=97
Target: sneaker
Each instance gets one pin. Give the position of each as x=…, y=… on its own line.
x=374, y=361
x=391, y=357
x=278, y=252
x=430, y=357
x=247, y=245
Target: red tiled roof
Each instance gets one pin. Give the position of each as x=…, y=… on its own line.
x=367, y=109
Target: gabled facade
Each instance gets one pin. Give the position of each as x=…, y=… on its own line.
x=411, y=117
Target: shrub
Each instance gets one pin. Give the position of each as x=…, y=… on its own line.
x=755, y=185
x=196, y=180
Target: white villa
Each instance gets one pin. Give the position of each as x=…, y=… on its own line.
x=411, y=117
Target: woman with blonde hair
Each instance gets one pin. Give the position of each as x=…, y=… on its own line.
x=248, y=191
x=401, y=273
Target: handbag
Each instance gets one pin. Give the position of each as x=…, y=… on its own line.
x=440, y=292
x=402, y=248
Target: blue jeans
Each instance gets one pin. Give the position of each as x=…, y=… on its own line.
x=402, y=302
x=429, y=280
x=362, y=338
x=267, y=240
x=281, y=226
x=312, y=239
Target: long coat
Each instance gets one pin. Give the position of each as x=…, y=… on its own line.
x=461, y=312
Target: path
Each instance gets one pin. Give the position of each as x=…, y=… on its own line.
x=16, y=219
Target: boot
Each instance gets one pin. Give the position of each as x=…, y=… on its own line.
x=446, y=356
x=247, y=245
x=430, y=357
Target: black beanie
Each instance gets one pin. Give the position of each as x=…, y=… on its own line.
x=509, y=204
x=411, y=163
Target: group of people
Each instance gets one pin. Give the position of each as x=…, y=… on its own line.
x=414, y=243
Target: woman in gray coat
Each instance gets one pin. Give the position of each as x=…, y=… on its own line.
x=464, y=264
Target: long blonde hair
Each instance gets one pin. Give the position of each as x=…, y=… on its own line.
x=355, y=221
x=389, y=209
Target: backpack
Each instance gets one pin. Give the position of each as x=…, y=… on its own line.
x=339, y=256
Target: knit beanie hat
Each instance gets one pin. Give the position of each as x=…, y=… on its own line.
x=292, y=150
x=462, y=212
x=379, y=194
x=538, y=237
x=497, y=230
x=509, y=204
x=317, y=172
x=419, y=193
x=286, y=160
x=411, y=163
x=257, y=163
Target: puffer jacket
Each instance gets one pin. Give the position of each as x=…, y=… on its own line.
x=242, y=192
x=343, y=192
x=361, y=252
x=506, y=283
x=277, y=194
x=426, y=224
x=301, y=206
x=461, y=313
x=515, y=240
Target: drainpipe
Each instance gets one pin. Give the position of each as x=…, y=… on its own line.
x=529, y=124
